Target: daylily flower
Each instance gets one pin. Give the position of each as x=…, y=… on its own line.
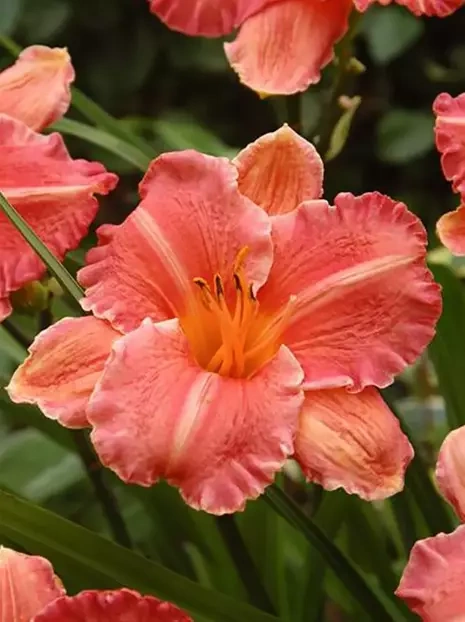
x=240, y=320
x=450, y=141
x=433, y=582
x=31, y=592
x=51, y=191
x=282, y=45
x=36, y=89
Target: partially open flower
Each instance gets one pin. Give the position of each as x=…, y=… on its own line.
x=53, y=193
x=282, y=45
x=36, y=89
x=433, y=582
x=31, y=592
x=240, y=320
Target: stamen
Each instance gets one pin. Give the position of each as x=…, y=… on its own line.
x=240, y=258
x=219, y=289
x=228, y=343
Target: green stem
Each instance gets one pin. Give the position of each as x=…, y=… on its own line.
x=343, y=76
x=244, y=563
x=102, y=491
x=46, y=316
x=378, y=607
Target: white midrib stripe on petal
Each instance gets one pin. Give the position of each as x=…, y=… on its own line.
x=162, y=248
x=20, y=193
x=197, y=402
x=320, y=293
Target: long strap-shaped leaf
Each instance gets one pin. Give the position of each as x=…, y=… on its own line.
x=373, y=602
x=115, y=144
x=42, y=532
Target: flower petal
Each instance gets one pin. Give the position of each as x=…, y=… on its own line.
x=279, y=171
x=439, y=8
x=64, y=364
x=157, y=414
x=450, y=138
x=192, y=222
x=210, y=18
x=282, y=49
x=451, y=230
x=365, y=305
x=51, y=191
x=111, y=606
x=27, y=584
x=36, y=89
x=434, y=579
x=450, y=470
x=353, y=441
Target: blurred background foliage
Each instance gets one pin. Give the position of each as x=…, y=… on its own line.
x=178, y=92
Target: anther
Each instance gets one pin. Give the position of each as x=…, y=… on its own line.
x=219, y=289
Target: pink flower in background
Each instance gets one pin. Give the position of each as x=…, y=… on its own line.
x=31, y=592
x=36, y=89
x=51, y=191
x=282, y=45
x=450, y=141
x=240, y=320
x=433, y=582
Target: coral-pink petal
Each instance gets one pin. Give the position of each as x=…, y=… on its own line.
x=365, y=304
x=210, y=18
x=450, y=470
x=111, y=606
x=450, y=138
x=64, y=363
x=51, y=191
x=282, y=49
x=451, y=230
x=279, y=171
x=155, y=413
x=433, y=582
x=27, y=585
x=352, y=441
x=36, y=89
x=439, y=8
x=192, y=222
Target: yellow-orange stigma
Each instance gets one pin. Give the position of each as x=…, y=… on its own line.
x=231, y=340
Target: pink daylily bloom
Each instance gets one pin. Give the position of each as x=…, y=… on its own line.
x=51, y=191
x=433, y=582
x=36, y=89
x=450, y=141
x=238, y=320
x=31, y=592
x=282, y=45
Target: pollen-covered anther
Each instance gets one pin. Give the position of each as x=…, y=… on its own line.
x=227, y=333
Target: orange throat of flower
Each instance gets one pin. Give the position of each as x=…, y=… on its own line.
x=233, y=340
